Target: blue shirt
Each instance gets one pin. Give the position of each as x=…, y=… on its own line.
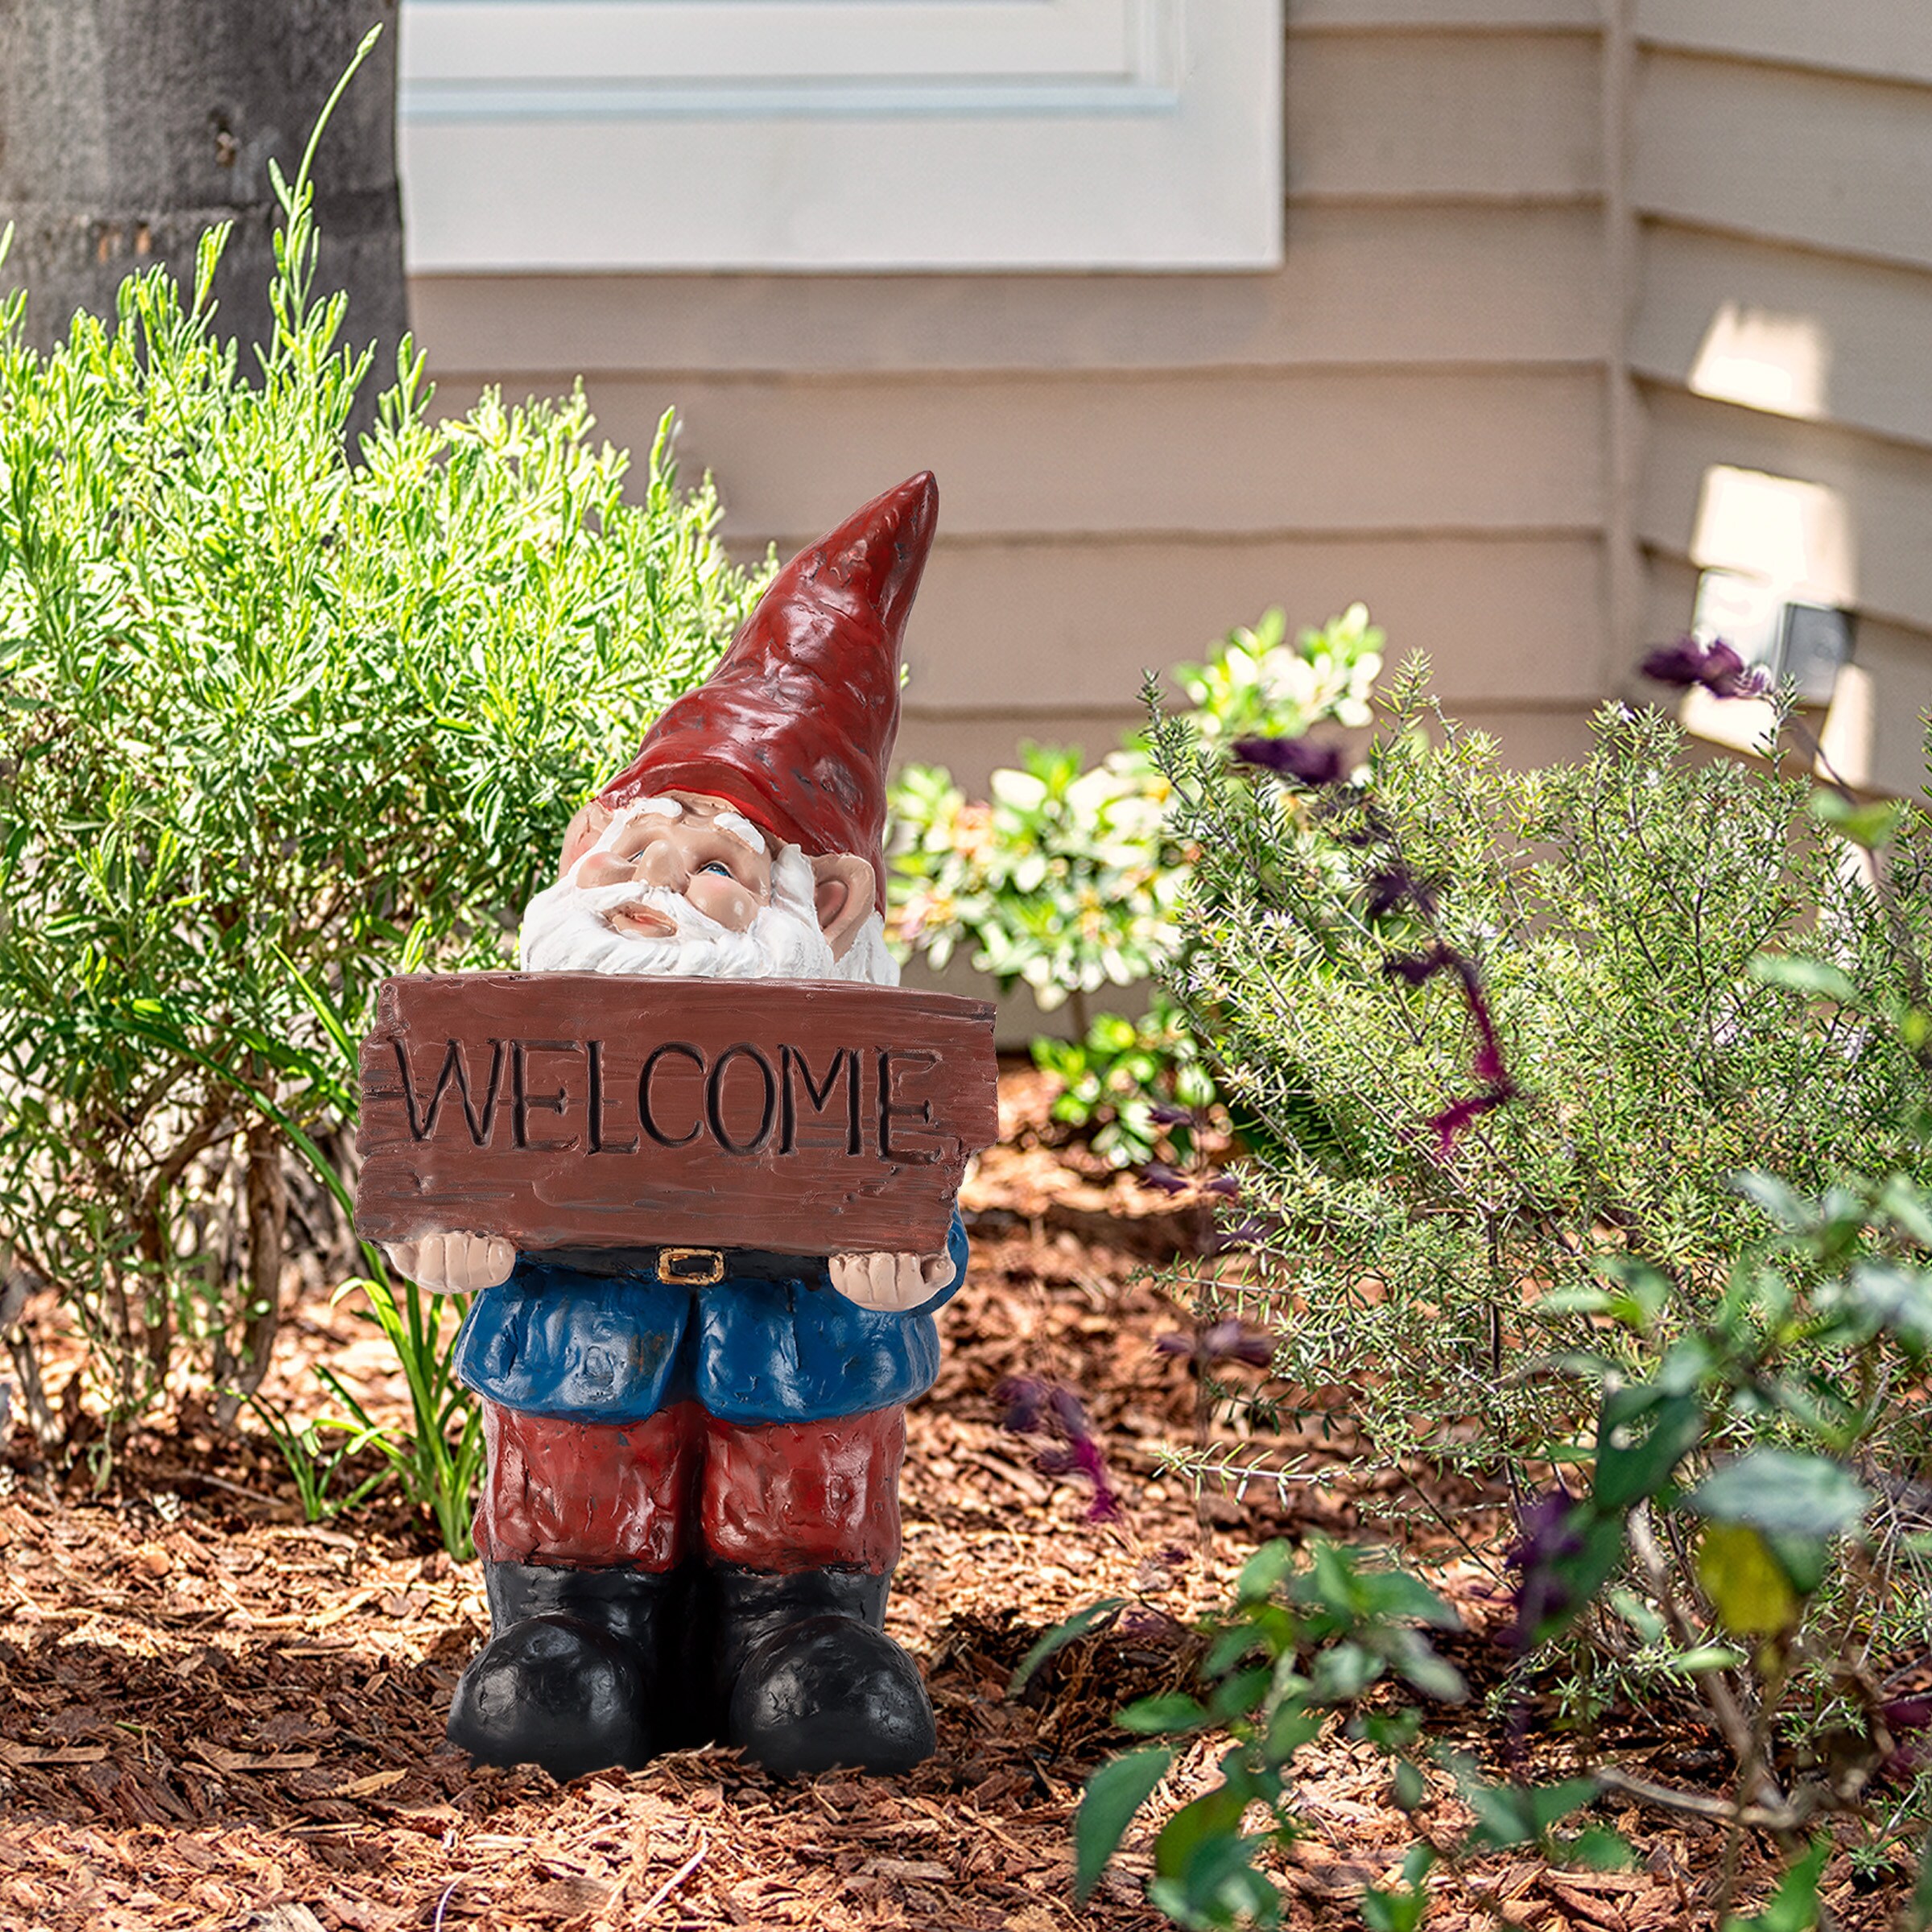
x=554, y=1340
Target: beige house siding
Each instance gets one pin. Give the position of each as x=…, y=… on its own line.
x=1411, y=411
x=1781, y=172
x=1478, y=395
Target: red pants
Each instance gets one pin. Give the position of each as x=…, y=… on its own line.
x=771, y=1495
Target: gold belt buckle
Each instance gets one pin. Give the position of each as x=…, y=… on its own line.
x=709, y=1266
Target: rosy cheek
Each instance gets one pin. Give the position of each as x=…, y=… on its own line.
x=722, y=899
x=603, y=868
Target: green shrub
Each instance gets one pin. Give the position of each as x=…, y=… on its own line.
x=1131, y=1086
x=1590, y=1116
x=1059, y=884
x=1067, y=880
x=273, y=714
x=1486, y=1021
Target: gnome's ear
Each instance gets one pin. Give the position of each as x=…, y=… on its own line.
x=843, y=887
x=585, y=829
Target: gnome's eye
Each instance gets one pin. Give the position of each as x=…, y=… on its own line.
x=719, y=867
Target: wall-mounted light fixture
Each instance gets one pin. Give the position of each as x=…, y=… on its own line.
x=1778, y=575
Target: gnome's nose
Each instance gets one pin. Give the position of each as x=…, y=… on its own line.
x=663, y=863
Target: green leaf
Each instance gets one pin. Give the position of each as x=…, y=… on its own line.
x=1783, y=1492
x=1395, y=1596
x=1598, y=1848
x=1113, y=1794
x=1804, y=1559
x=1220, y=1886
x=1518, y=1815
x=1799, y=975
x=1242, y=1694
x=1344, y=1672
x=1393, y=1911
x=1901, y=1202
x=1411, y=1789
x=1228, y=1647
x=1897, y=1300
x=1262, y=1574
x=1641, y=1437
x=1642, y=1617
x=1432, y=1675
x=1776, y=1200
x=1215, y=1815
x=1082, y=1623
x=1794, y=1905
x=1294, y=1724
x=1646, y=1291
x=1871, y=826
x=1152, y=1715
x=1712, y=1657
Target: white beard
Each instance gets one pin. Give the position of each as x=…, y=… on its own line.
x=565, y=930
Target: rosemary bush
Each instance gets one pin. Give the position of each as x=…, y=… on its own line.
x=1590, y=1115
x=275, y=713
x=1487, y=1023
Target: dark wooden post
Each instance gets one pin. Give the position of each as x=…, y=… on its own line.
x=129, y=126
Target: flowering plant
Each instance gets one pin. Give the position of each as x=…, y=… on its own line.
x=1591, y=1163
x=1059, y=882
x=1065, y=881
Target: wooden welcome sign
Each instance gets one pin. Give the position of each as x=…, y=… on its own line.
x=601, y=1110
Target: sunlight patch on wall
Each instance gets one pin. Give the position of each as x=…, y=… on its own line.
x=1764, y=360
x=1792, y=535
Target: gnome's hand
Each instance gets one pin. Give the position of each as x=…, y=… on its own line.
x=889, y=1284
x=454, y=1263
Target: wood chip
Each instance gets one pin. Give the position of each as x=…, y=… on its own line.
x=378, y=1780
x=1598, y=1911
x=287, y=1918
x=242, y=1761
x=347, y=1607
x=60, y=1754
x=904, y=1868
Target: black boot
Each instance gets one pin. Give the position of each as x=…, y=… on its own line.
x=811, y=1679
x=575, y=1677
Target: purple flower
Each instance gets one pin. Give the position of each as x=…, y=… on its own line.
x=1163, y=1114
x=1716, y=666
x=1037, y=1408
x=1228, y=1340
x=1447, y=1125
x=1489, y=1069
x=1158, y=1174
x=1299, y=759
x=1551, y=1539
x=1387, y=889
x=1242, y=1235
x=1069, y=1413
x=1223, y=1186
x=1026, y=1400
x=1414, y=968
x=1907, y=1719
x=1084, y=1459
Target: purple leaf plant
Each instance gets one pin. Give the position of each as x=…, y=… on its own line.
x=1039, y=1408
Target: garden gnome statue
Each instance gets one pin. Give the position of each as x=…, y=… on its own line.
x=691, y=1514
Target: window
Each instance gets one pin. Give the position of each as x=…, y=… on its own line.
x=854, y=134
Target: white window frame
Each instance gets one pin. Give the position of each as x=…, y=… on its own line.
x=841, y=134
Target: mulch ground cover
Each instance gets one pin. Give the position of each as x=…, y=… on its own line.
x=213, y=1715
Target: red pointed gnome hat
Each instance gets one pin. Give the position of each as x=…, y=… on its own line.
x=795, y=726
